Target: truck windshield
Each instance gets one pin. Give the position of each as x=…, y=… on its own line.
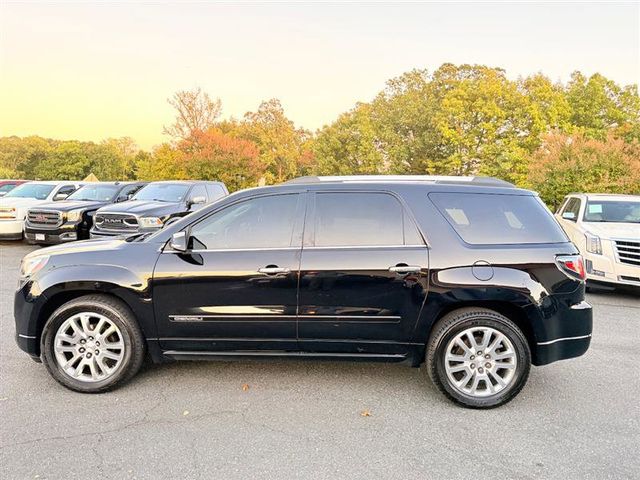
x=102, y=193
x=612, y=211
x=39, y=191
x=163, y=192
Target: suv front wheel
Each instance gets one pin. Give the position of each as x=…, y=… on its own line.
x=92, y=344
x=478, y=358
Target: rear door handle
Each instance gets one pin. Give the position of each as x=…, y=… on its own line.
x=404, y=269
x=272, y=270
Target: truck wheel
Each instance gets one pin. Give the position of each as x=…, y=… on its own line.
x=92, y=344
x=478, y=358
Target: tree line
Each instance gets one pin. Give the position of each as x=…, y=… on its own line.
x=583, y=135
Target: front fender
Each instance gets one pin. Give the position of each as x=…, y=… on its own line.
x=35, y=299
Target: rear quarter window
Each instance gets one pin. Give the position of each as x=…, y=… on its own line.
x=494, y=219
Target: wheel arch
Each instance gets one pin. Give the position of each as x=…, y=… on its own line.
x=519, y=314
x=57, y=295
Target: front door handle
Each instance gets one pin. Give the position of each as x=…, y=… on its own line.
x=273, y=269
x=404, y=269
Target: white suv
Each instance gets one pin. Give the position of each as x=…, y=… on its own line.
x=15, y=204
x=606, y=229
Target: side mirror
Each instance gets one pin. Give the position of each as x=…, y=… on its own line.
x=179, y=241
x=59, y=196
x=569, y=216
x=198, y=200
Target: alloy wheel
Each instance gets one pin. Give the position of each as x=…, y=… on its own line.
x=89, y=347
x=480, y=361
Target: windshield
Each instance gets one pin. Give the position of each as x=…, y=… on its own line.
x=38, y=191
x=163, y=192
x=612, y=211
x=6, y=187
x=102, y=193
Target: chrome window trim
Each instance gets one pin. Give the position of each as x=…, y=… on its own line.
x=359, y=247
x=564, y=339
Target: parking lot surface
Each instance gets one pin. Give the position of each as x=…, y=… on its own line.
x=273, y=419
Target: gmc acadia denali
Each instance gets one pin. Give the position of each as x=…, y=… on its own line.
x=469, y=276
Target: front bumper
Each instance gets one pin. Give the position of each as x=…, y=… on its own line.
x=607, y=269
x=67, y=232
x=11, y=229
x=25, y=311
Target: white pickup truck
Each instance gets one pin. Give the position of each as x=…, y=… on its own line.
x=606, y=229
x=15, y=204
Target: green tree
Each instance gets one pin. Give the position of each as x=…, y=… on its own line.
x=69, y=160
x=599, y=105
x=164, y=163
x=282, y=146
x=348, y=146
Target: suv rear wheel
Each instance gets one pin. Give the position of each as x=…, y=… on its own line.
x=92, y=343
x=478, y=358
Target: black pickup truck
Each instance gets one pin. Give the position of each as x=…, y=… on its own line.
x=154, y=206
x=71, y=219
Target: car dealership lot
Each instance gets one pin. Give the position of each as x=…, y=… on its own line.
x=575, y=419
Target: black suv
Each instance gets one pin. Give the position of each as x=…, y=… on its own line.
x=470, y=276
x=155, y=206
x=72, y=218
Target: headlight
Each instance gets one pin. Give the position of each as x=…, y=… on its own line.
x=31, y=265
x=151, y=222
x=594, y=244
x=7, y=212
x=74, y=215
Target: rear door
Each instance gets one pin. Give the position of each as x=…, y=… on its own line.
x=363, y=274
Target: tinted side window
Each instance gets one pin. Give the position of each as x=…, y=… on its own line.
x=215, y=192
x=66, y=190
x=358, y=219
x=264, y=222
x=198, y=191
x=573, y=206
x=127, y=191
x=487, y=219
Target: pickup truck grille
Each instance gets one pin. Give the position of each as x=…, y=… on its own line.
x=44, y=218
x=628, y=252
x=120, y=222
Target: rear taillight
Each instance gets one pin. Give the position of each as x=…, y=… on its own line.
x=572, y=265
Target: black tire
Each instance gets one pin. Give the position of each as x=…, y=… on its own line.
x=459, y=320
x=118, y=313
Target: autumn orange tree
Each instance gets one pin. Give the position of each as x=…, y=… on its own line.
x=577, y=163
x=214, y=155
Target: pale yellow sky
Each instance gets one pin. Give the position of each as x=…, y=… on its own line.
x=92, y=70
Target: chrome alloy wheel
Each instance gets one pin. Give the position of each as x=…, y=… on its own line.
x=89, y=347
x=480, y=361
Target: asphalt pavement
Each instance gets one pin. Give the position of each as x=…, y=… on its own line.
x=576, y=419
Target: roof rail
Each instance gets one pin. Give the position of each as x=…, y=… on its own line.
x=450, y=179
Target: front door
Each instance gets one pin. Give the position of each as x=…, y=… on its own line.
x=237, y=288
x=363, y=275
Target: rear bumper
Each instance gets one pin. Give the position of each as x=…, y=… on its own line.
x=571, y=338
